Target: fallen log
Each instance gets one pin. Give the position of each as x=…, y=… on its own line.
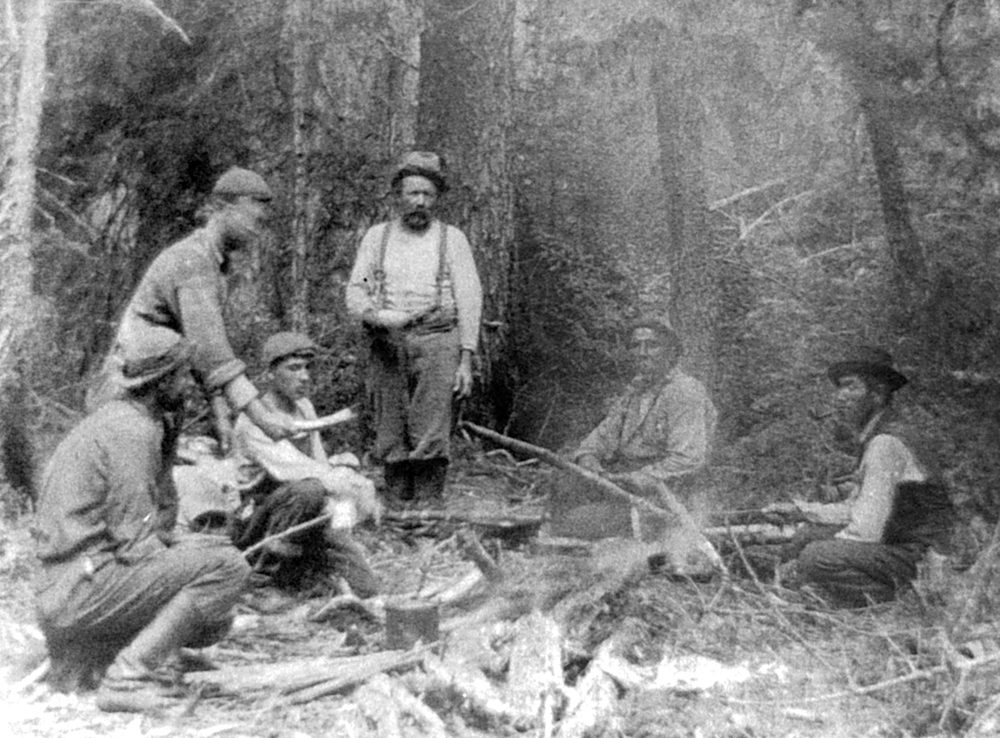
x=752, y=533
x=535, y=674
x=674, y=508
x=473, y=549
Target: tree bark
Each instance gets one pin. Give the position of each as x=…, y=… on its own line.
x=17, y=200
x=694, y=287
x=406, y=22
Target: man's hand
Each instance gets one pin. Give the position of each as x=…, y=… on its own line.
x=590, y=463
x=389, y=319
x=784, y=512
x=463, y=376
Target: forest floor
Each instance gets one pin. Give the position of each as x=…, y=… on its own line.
x=640, y=653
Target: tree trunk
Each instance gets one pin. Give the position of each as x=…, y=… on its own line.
x=299, y=13
x=694, y=287
x=17, y=200
x=465, y=114
x=904, y=244
x=406, y=22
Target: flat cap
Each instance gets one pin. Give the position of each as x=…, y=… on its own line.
x=287, y=343
x=237, y=181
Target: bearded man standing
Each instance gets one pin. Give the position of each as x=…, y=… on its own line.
x=415, y=288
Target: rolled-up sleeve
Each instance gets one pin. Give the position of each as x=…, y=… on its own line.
x=361, y=285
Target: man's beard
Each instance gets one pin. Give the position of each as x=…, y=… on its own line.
x=417, y=220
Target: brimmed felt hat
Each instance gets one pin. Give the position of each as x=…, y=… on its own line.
x=664, y=329
x=421, y=164
x=287, y=343
x=153, y=355
x=238, y=181
x=868, y=361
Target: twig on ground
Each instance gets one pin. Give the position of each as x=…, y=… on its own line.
x=247, y=552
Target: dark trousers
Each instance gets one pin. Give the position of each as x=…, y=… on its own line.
x=858, y=573
x=410, y=378
x=91, y=607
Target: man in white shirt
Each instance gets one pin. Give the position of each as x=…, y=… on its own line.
x=415, y=288
x=898, y=506
x=299, y=481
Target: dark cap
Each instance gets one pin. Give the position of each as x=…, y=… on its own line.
x=285, y=344
x=153, y=354
x=421, y=164
x=238, y=181
x=867, y=361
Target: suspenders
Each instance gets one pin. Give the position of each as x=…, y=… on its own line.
x=378, y=292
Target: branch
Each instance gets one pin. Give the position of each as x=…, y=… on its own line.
x=148, y=7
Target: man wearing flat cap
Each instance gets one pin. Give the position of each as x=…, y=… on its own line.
x=184, y=290
x=117, y=586
x=415, y=288
x=301, y=482
x=897, y=506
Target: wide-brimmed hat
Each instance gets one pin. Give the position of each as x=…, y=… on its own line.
x=287, y=343
x=152, y=355
x=238, y=181
x=421, y=164
x=868, y=361
x=664, y=329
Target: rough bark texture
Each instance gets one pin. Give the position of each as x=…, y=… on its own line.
x=17, y=199
x=466, y=110
x=694, y=284
x=406, y=23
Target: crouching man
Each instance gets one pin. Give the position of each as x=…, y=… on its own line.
x=897, y=507
x=116, y=585
x=300, y=483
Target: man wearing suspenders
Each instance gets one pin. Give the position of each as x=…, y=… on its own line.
x=416, y=290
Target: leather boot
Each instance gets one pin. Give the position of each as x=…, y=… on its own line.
x=399, y=480
x=429, y=478
x=134, y=682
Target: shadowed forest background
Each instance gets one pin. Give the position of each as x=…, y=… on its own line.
x=779, y=180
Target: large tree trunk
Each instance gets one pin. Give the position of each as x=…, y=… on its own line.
x=17, y=199
x=406, y=22
x=466, y=112
x=694, y=286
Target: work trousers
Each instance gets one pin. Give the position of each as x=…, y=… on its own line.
x=411, y=377
x=858, y=573
x=89, y=608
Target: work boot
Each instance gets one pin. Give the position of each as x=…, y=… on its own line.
x=429, y=478
x=398, y=480
x=348, y=559
x=136, y=681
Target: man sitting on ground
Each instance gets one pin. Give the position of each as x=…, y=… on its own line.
x=898, y=506
x=116, y=584
x=300, y=482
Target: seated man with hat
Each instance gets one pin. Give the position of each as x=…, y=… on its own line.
x=300, y=483
x=116, y=585
x=898, y=506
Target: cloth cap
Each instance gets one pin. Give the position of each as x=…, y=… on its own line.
x=238, y=181
x=287, y=343
x=422, y=164
x=153, y=355
x=670, y=337
x=868, y=361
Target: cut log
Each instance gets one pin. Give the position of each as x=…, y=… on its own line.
x=332, y=684
x=535, y=674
